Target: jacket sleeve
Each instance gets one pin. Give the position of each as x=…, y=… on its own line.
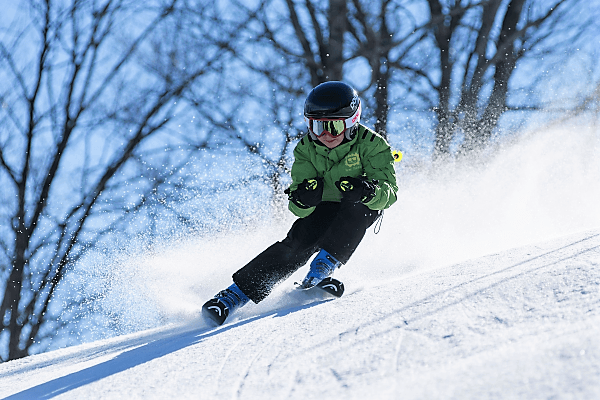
x=302, y=169
x=379, y=165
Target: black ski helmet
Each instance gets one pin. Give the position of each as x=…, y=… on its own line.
x=335, y=100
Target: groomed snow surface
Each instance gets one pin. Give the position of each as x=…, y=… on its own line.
x=482, y=286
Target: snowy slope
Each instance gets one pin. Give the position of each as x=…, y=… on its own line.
x=523, y=323
x=484, y=282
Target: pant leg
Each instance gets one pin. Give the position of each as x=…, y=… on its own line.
x=257, y=278
x=347, y=230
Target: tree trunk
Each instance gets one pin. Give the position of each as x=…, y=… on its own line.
x=333, y=62
x=504, y=69
x=446, y=125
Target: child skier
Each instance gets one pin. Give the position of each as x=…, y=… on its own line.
x=342, y=177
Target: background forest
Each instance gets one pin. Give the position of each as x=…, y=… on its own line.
x=124, y=121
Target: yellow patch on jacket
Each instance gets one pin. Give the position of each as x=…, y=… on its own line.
x=352, y=160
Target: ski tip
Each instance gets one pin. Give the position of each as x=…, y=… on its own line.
x=332, y=286
x=215, y=312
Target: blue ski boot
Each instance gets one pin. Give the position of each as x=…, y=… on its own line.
x=321, y=267
x=218, y=308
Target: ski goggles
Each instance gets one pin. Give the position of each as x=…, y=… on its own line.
x=319, y=126
x=335, y=127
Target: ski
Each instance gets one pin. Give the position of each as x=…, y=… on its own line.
x=216, y=312
x=330, y=285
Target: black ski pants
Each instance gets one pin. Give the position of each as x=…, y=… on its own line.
x=336, y=227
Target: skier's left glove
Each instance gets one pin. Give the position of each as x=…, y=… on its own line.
x=357, y=190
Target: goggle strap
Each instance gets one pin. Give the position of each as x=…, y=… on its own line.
x=350, y=122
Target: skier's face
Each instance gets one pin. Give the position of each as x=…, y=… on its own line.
x=329, y=140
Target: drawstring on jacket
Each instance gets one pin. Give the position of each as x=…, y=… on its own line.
x=378, y=223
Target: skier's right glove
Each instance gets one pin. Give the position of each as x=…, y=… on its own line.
x=308, y=194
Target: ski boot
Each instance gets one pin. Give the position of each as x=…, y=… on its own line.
x=321, y=267
x=218, y=308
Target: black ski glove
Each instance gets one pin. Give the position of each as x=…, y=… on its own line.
x=308, y=194
x=356, y=190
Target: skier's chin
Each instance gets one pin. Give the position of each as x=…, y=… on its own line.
x=331, y=142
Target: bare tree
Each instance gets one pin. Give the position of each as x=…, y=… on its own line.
x=263, y=84
x=270, y=75
x=479, y=45
x=85, y=118
x=377, y=29
x=457, y=59
x=322, y=44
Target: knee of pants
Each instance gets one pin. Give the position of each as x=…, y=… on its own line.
x=301, y=236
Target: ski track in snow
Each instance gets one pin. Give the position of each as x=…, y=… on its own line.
x=523, y=323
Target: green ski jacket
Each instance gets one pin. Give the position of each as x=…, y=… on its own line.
x=367, y=155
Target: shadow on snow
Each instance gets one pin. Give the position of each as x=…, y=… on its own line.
x=140, y=355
